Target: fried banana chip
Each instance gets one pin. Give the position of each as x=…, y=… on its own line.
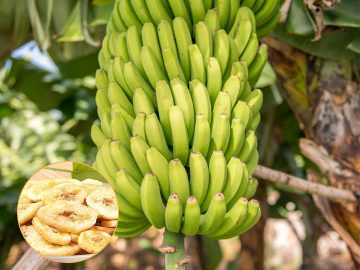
x=104, y=229
x=104, y=203
x=26, y=211
x=93, y=182
x=65, y=192
x=50, y=234
x=109, y=223
x=38, y=189
x=93, y=241
x=74, y=237
x=45, y=248
x=67, y=216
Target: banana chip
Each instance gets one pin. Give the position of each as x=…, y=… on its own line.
x=109, y=223
x=104, y=229
x=50, y=234
x=67, y=216
x=65, y=192
x=104, y=203
x=93, y=182
x=25, y=211
x=74, y=237
x=93, y=241
x=37, y=190
x=45, y=248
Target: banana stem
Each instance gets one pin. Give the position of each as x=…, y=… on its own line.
x=174, y=250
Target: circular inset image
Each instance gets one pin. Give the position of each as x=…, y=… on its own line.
x=67, y=212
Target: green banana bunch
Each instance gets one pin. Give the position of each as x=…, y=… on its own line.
x=178, y=114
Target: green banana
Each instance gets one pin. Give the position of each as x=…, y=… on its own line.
x=251, y=49
x=102, y=101
x=222, y=49
x=203, y=38
x=212, y=19
x=258, y=64
x=251, y=188
x=166, y=37
x=139, y=6
x=183, y=41
x=220, y=133
x=266, y=12
x=118, y=68
x=118, y=46
x=180, y=10
x=199, y=176
x=132, y=231
x=222, y=105
x=248, y=3
x=159, y=167
x=234, y=6
x=138, y=149
x=97, y=135
x=105, y=124
x=127, y=210
x=116, y=108
x=201, y=99
x=183, y=100
x=109, y=163
x=172, y=65
x=242, y=111
x=255, y=121
x=191, y=221
x=134, y=80
x=257, y=5
x=142, y=102
x=128, y=14
x=101, y=79
x=158, y=11
x=130, y=189
x=253, y=216
x=235, y=170
x=165, y=101
x=208, y=4
x=178, y=179
x=214, y=78
x=124, y=160
x=242, y=188
x=150, y=39
x=237, y=136
x=218, y=174
x=179, y=134
x=223, y=7
x=173, y=213
x=116, y=19
x=100, y=166
x=154, y=71
x=266, y=28
x=151, y=201
x=254, y=100
x=236, y=215
x=253, y=162
x=214, y=216
x=197, y=64
x=120, y=130
x=139, y=125
x=249, y=146
x=155, y=135
x=232, y=86
x=202, y=135
x=116, y=95
x=197, y=10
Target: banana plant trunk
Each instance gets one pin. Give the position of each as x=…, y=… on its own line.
x=173, y=247
x=325, y=98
